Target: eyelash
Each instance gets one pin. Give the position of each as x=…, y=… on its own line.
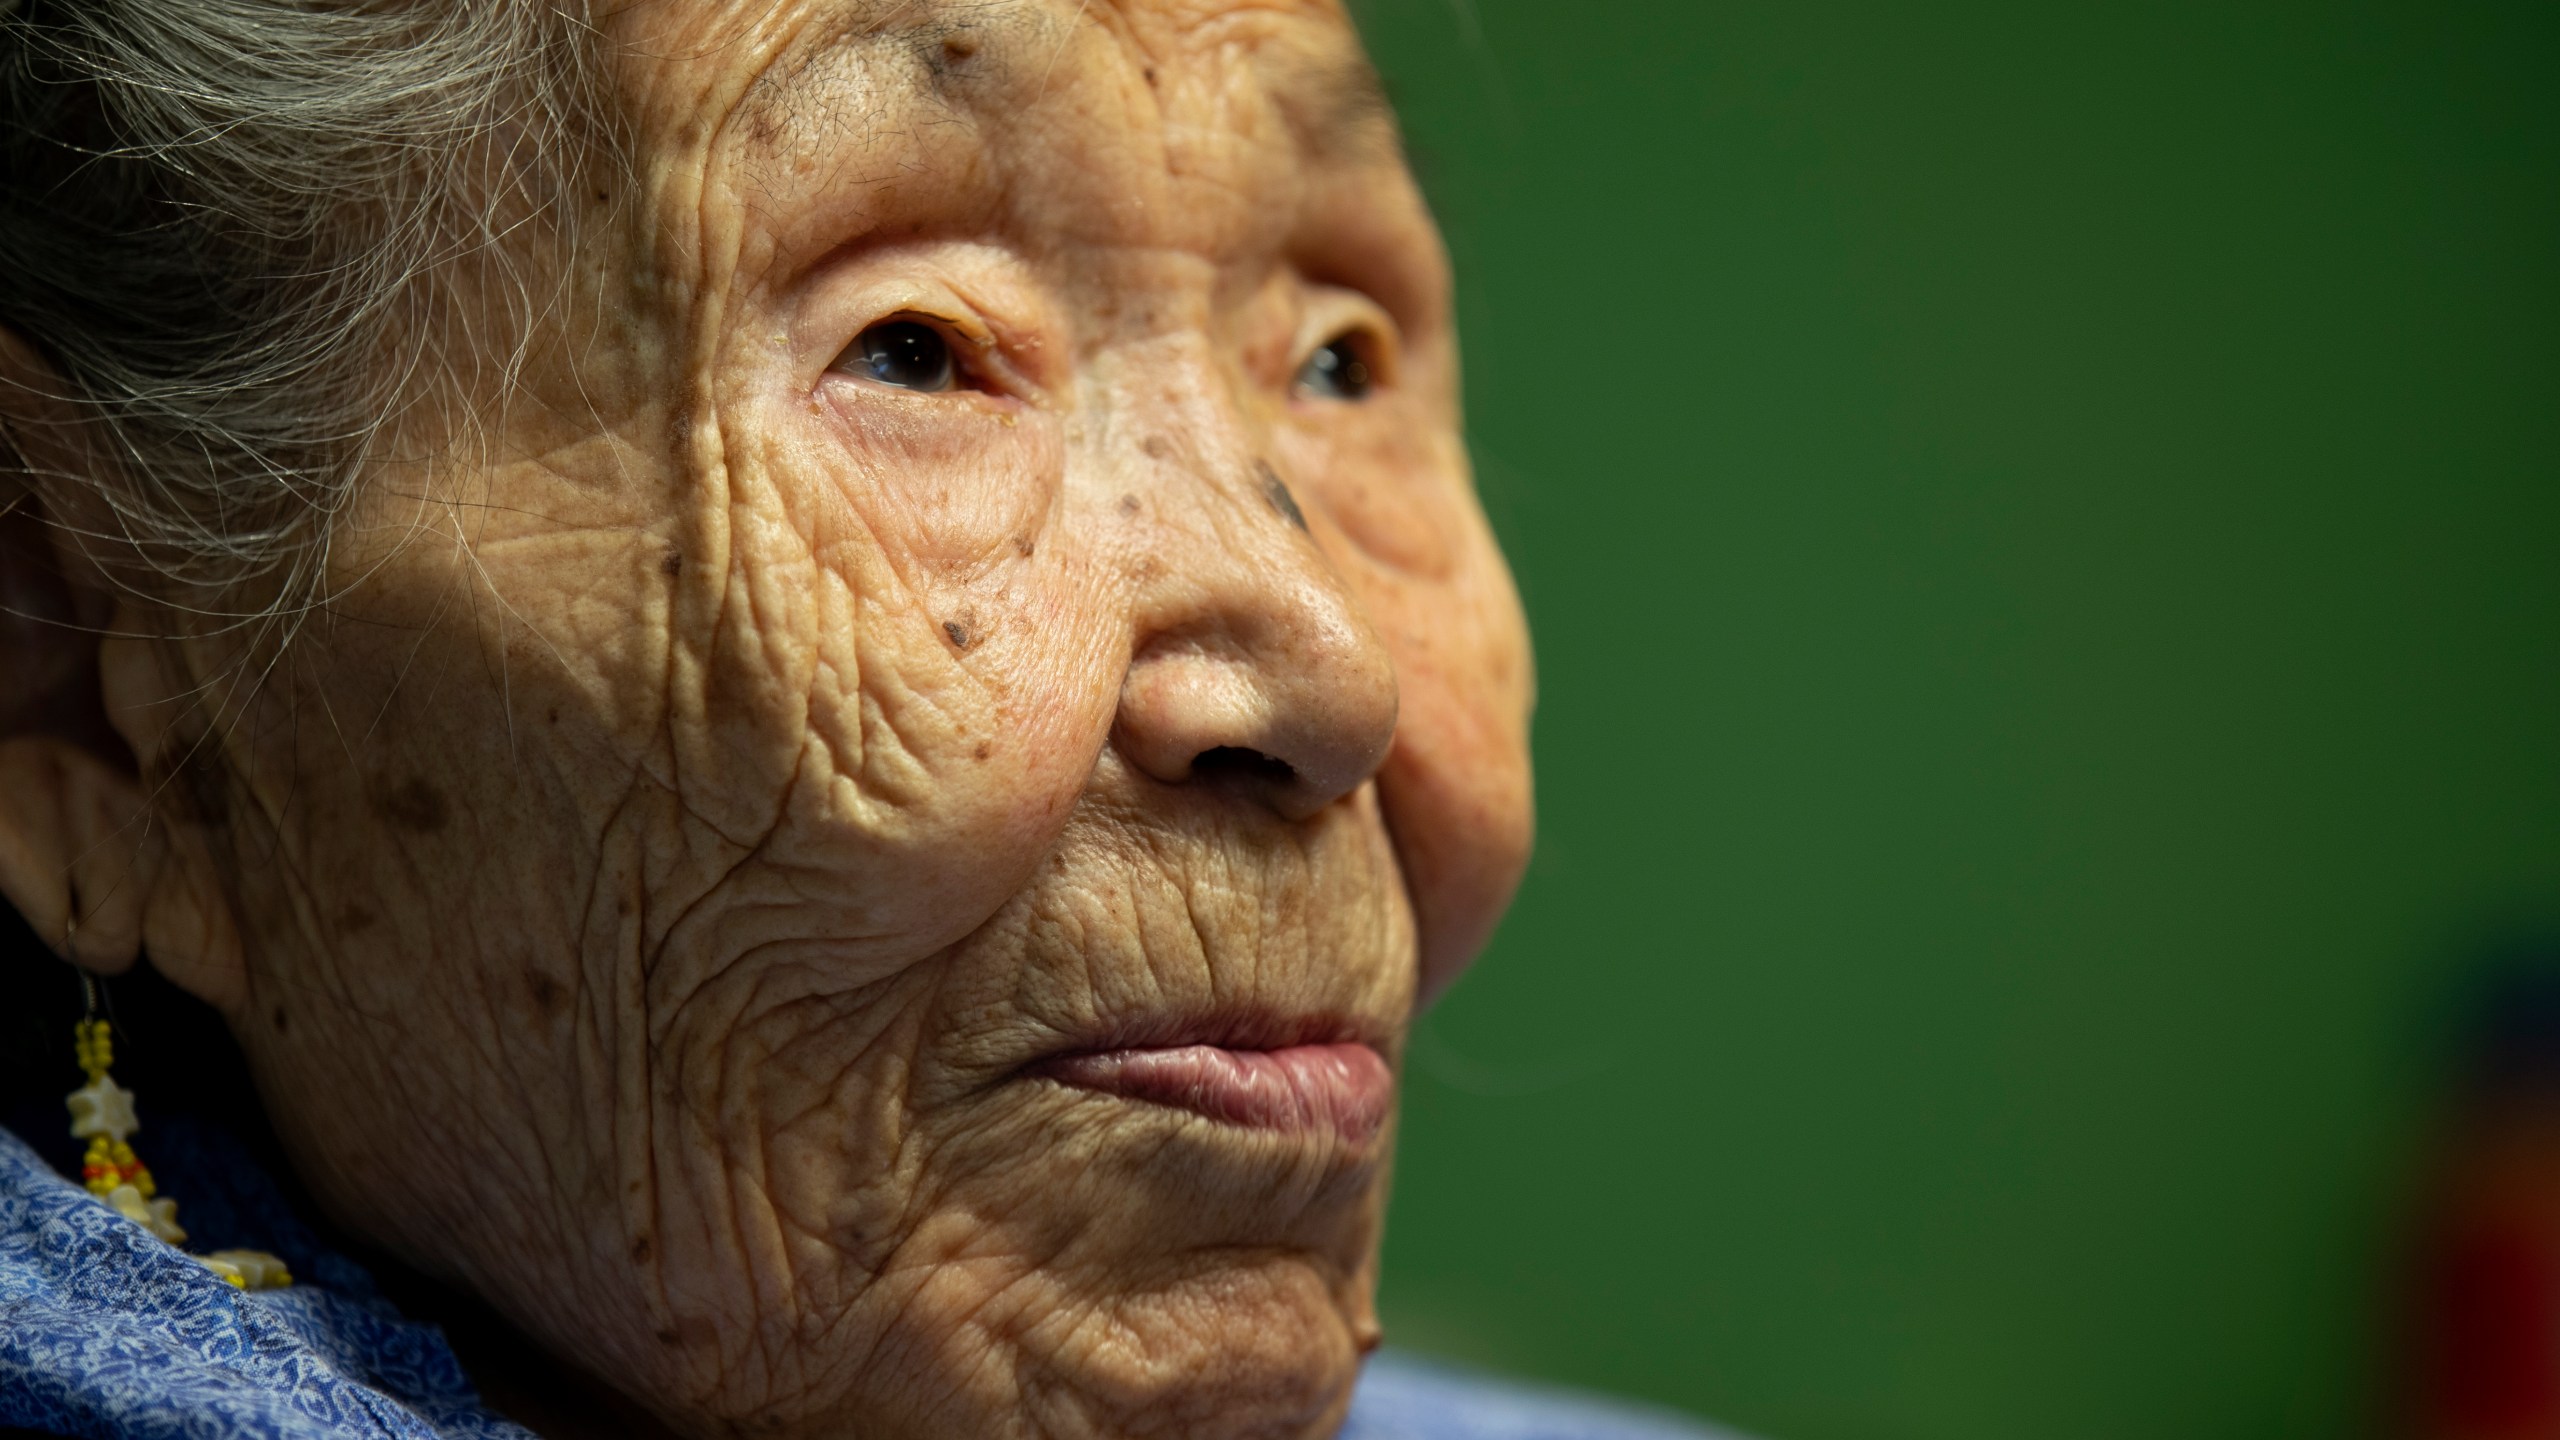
x=917, y=353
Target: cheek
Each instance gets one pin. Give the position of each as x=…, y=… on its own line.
x=925, y=652
x=1377, y=471
x=1417, y=551
x=1456, y=787
x=950, y=489
x=972, y=593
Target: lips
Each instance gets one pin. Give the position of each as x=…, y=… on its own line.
x=1344, y=1089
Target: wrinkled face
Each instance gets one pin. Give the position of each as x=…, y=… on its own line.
x=862, y=864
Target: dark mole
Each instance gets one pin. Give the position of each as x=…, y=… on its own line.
x=1022, y=546
x=958, y=632
x=1278, y=494
x=1128, y=504
x=640, y=1251
x=553, y=715
x=1150, y=73
x=669, y=1337
x=413, y=805
x=983, y=751
x=547, y=993
x=958, y=46
x=278, y=1017
x=673, y=563
x=353, y=918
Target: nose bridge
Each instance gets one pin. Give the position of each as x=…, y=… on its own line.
x=1212, y=499
x=1250, y=658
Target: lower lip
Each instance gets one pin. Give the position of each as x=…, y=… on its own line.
x=1342, y=1089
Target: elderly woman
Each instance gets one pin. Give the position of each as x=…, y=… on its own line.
x=815, y=682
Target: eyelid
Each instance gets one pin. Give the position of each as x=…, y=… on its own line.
x=972, y=333
x=1003, y=331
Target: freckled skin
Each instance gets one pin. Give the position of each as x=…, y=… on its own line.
x=711, y=789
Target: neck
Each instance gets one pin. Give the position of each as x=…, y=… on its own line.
x=516, y=1377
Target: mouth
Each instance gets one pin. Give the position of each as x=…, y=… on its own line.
x=1343, y=1088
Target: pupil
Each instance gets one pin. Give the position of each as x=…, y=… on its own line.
x=907, y=354
x=1337, y=370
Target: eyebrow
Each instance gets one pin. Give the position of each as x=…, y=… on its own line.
x=1338, y=106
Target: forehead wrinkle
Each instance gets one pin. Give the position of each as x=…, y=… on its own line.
x=1332, y=99
x=852, y=99
x=856, y=91
x=844, y=40
x=1331, y=95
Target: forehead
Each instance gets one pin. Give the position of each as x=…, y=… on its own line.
x=1303, y=57
x=906, y=111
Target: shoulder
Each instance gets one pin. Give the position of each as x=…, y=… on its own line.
x=1402, y=1398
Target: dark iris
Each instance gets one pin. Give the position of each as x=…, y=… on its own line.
x=906, y=353
x=1336, y=371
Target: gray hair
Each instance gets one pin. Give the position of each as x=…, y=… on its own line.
x=221, y=224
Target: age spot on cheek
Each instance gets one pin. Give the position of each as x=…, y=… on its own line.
x=1277, y=492
x=414, y=806
x=548, y=994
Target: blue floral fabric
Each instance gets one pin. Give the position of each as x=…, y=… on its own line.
x=106, y=1333
x=1401, y=1398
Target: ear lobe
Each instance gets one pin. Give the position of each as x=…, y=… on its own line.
x=187, y=922
x=75, y=853
x=97, y=872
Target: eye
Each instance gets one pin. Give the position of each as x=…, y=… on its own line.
x=908, y=354
x=1339, y=369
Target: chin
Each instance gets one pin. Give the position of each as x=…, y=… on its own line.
x=1231, y=1344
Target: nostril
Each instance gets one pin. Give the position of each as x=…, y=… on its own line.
x=1241, y=763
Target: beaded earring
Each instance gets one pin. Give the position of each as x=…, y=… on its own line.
x=102, y=1114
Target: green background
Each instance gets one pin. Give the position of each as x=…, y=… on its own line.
x=2043, y=530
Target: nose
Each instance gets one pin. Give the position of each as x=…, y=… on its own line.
x=1252, y=666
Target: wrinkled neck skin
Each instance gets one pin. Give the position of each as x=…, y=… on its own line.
x=722, y=784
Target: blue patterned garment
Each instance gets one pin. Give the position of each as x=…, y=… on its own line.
x=107, y=1333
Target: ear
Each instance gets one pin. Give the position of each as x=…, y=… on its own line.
x=102, y=863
